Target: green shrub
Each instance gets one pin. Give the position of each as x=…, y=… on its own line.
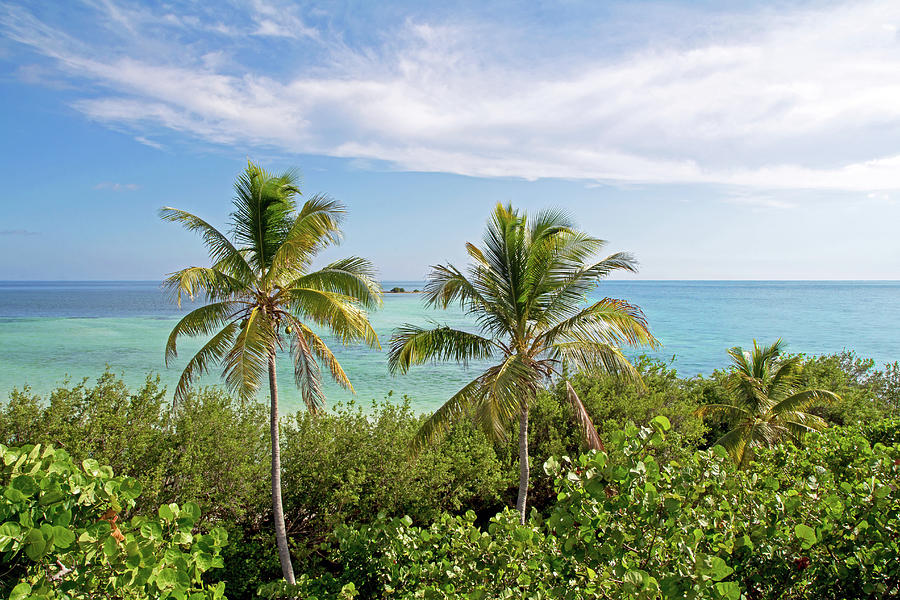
x=211, y=449
x=61, y=537
x=611, y=401
x=818, y=522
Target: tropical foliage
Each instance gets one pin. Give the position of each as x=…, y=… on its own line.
x=767, y=406
x=817, y=522
x=347, y=465
x=261, y=293
x=525, y=289
x=62, y=535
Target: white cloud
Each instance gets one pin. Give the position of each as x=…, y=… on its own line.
x=117, y=187
x=805, y=100
x=141, y=139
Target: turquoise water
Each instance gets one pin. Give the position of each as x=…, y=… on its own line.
x=54, y=331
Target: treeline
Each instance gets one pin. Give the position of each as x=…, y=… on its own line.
x=365, y=518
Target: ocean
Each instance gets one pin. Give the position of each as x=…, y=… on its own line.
x=64, y=331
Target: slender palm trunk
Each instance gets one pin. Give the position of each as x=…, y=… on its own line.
x=523, y=464
x=284, y=554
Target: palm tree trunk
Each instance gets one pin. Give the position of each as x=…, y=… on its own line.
x=284, y=554
x=523, y=464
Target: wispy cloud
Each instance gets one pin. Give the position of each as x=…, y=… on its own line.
x=17, y=232
x=807, y=99
x=117, y=187
x=146, y=142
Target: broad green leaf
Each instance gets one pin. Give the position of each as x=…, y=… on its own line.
x=661, y=423
x=20, y=592
x=806, y=534
x=728, y=590
x=165, y=513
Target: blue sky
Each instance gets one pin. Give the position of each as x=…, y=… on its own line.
x=714, y=140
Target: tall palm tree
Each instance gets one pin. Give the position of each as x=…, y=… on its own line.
x=767, y=405
x=261, y=292
x=526, y=289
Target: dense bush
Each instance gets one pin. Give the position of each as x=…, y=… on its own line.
x=61, y=536
x=820, y=522
x=611, y=401
x=211, y=450
x=340, y=467
x=349, y=464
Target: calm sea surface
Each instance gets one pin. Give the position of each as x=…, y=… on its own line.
x=54, y=331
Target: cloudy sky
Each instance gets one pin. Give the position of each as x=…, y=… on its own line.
x=714, y=140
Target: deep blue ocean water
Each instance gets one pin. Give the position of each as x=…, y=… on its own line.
x=51, y=332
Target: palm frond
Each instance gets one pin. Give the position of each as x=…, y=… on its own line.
x=509, y=387
x=735, y=443
x=214, y=350
x=247, y=360
x=212, y=283
x=324, y=353
x=411, y=345
x=221, y=251
x=462, y=403
x=315, y=227
x=729, y=411
x=337, y=312
x=798, y=424
x=307, y=375
x=567, y=291
x=608, y=321
x=352, y=277
x=201, y=321
x=263, y=213
x=583, y=419
x=596, y=356
x=803, y=400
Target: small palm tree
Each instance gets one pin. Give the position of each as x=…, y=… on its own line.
x=526, y=289
x=767, y=407
x=261, y=292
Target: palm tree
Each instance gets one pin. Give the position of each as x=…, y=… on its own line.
x=526, y=289
x=261, y=292
x=767, y=405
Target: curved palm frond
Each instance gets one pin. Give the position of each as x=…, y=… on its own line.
x=798, y=424
x=221, y=251
x=569, y=288
x=608, y=321
x=327, y=356
x=307, y=375
x=446, y=285
x=214, y=350
x=337, y=312
x=213, y=283
x=593, y=356
x=201, y=321
x=509, y=387
x=263, y=213
x=316, y=226
x=583, y=419
x=803, y=400
x=727, y=410
x=735, y=443
x=246, y=361
x=353, y=277
x=459, y=405
x=411, y=345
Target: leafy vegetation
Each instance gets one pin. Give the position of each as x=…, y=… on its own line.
x=262, y=293
x=349, y=484
x=794, y=524
x=61, y=535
